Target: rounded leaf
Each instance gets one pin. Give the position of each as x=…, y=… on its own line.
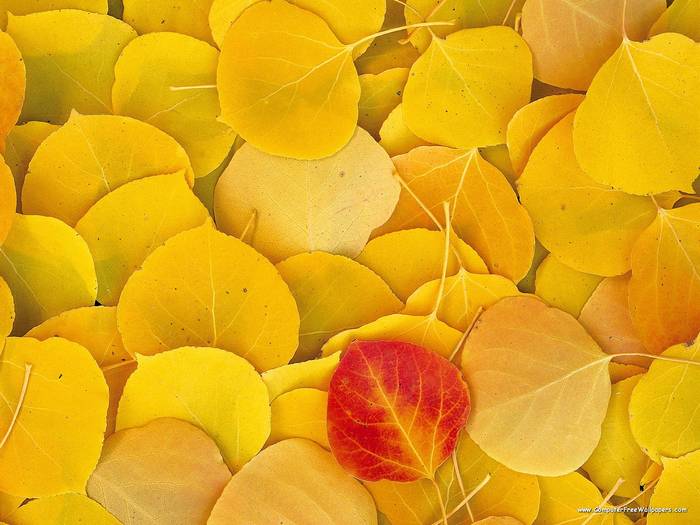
x=188, y=17
x=8, y=199
x=315, y=373
x=14, y=80
x=300, y=413
x=677, y=488
x=64, y=508
x=563, y=287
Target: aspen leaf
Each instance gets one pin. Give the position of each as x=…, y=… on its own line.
x=13, y=83
x=499, y=158
x=409, y=258
x=563, y=287
x=92, y=155
x=532, y=122
x=8, y=200
x=94, y=328
x=315, y=374
x=60, y=398
x=216, y=390
x=287, y=84
x=69, y=56
x=663, y=289
x=9, y=504
x=300, y=413
x=395, y=137
x=506, y=492
x=638, y=129
x=186, y=294
x=64, y=508
x=682, y=16
x=373, y=405
x=167, y=472
x=23, y=7
x=332, y=204
x=126, y=225
x=617, y=455
x=49, y=270
x=677, y=488
x=570, y=41
x=463, y=90
x=663, y=408
x=7, y=311
x=333, y=293
x=294, y=481
x=188, y=17
x=524, y=358
x=380, y=94
x=222, y=13
x=588, y=226
x=484, y=209
x=165, y=80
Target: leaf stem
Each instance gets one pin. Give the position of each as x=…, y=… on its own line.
x=445, y=260
x=249, y=224
x=466, y=499
x=466, y=333
x=20, y=401
x=607, y=497
x=369, y=38
x=188, y=88
x=441, y=501
x=678, y=360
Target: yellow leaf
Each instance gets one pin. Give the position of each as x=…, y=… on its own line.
x=682, y=16
x=52, y=417
x=9, y=504
x=588, y=226
x=506, y=492
x=204, y=186
x=499, y=158
x=333, y=293
x=165, y=472
x=23, y=7
x=332, y=204
x=638, y=129
x=663, y=409
x=570, y=40
x=409, y=258
x=463, y=90
x=189, y=17
x=49, y=269
x=532, y=122
x=295, y=481
x=485, y=211
x=663, y=290
x=308, y=374
x=380, y=94
x=64, y=508
x=187, y=294
x=395, y=136
x=216, y=390
x=287, y=84
x=465, y=294
x=222, y=14
x=8, y=200
x=69, y=56
x=126, y=225
x=426, y=331
x=7, y=311
x=621, y=371
x=617, y=454
x=498, y=520
x=166, y=79
x=300, y=413
x=677, y=488
x=563, y=287
x=95, y=328
x=13, y=83
x=92, y=155
x=523, y=358
x=527, y=283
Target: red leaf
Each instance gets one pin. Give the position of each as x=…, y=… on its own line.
x=394, y=410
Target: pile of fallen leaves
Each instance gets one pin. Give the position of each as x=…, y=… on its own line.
x=349, y=262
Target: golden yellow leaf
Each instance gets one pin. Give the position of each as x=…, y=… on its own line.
x=69, y=56
x=24, y=7
x=498, y=520
x=464, y=295
x=216, y=390
x=13, y=83
x=300, y=413
x=485, y=211
x=165, y=79
x=506, y=492
x=407, y=259
x=9, y=504
x=64, y=508
x=126, y=225
x=523, y=358
x=677, y=488
x=638, y=129
x=499, y=158
x=617, y=455
x=92, y=155
x=570, y=40
x=315, y=374
x=395, y=136
x=621, y=371
x=188, y=17
x=663, y=408
x=586, y=225
x=187, y=294
x=663, y=290
x=332, y=204
x=426, y=331
x=166, y=472
x=294, y=481
x=380, y=94
x=7, y=311
x=8, y=200
x=563, y=287
x=95, y=328
x=333, y=293
x=682, y=16
x=463, y=90
x=287, y=84
x=204, y=186
x=532, y=122
x=52, y=416
x=49, y=269
x=222, y=14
